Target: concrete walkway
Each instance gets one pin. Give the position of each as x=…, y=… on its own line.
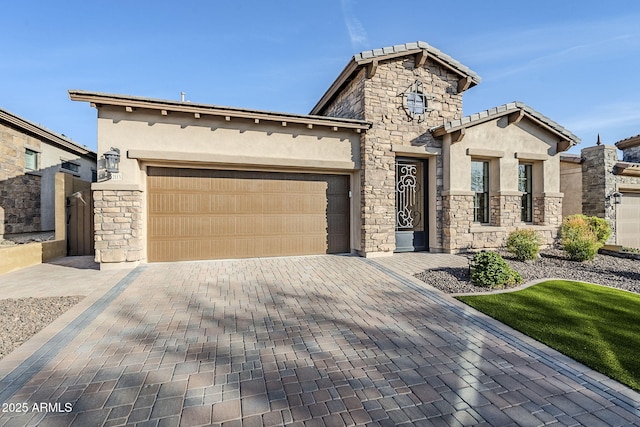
x=324, y=340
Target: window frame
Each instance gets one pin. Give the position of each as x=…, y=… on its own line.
x=36, y=159
x=75, y=170
x=525, y=186
x=481, y=213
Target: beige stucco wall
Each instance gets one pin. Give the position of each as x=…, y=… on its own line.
x=505, y=146
x=571, y=187
x=215, y=141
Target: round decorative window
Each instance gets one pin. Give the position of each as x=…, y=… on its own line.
x=415, y=101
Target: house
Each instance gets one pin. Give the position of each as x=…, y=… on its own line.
x=600, y=184
x=384, y=162
x=30, y=157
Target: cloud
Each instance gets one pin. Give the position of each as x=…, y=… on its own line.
x=357, y=33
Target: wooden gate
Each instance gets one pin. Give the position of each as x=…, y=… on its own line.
x=80, y=223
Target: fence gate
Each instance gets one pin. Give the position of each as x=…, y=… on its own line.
x=80, y=223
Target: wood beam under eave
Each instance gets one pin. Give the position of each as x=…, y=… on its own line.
x=516, y=117
x=457, y=135
x=421, y=59
x=464, y=84
x=371, y=69
x=196, y=115
x=164, y=112
x=128, y=109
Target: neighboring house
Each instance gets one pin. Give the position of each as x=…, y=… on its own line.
x=384, y=162
x=599, y=184
x=30, y=156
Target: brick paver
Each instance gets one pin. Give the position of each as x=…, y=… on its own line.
x=324, y=340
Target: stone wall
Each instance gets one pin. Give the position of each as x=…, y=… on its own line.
x=19, y=191
x=457, y=219
x=504, y=210
x=379, y=100
x=118, y=226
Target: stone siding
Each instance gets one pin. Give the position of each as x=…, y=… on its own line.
x=19, y=191
x=504, y=210
x=457, y=219
x=379, y=100
x=118, y=226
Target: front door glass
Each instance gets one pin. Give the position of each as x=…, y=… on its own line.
x=410, y=206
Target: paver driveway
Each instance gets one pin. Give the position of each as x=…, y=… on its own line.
x=324, y=340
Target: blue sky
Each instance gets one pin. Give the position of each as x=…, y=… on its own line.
x=575, y=61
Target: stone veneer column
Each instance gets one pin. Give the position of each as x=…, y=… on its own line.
x=598, y=182
x=118, y=225
x=378, y=195
x=504, y=210
x=457, y=219
x=547, y=210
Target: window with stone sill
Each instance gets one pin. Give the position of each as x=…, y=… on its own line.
x=480, y=188
x=525, y=186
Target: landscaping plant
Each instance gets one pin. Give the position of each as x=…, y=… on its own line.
x=524, y=244
x=582, y=236
x=490, y=270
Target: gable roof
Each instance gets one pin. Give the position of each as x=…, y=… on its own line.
x=44, y=134
x=129, y=103
x=516, y=111
x=371, y=58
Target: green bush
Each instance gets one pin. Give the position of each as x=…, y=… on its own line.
x=490, y=270
x=582, y=236
x=524, y=244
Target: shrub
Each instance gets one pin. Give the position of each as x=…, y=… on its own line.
x=582, y=236
x=490, y=270
x=524, y=244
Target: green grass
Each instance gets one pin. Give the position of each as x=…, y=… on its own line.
x=595, y=325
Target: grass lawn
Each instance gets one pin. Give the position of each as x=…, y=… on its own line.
x=595, y=325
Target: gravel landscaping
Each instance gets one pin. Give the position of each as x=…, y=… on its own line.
x=605, y=270
x=23, y=318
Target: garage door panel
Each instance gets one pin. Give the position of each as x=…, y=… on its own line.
x=208, y=214
x=628, y=220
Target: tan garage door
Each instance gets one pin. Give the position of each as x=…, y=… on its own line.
x=211, y=214
x=628, y=220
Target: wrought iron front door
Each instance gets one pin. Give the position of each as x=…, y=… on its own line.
x=411, y=218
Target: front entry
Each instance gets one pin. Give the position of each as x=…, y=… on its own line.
x=411, y=234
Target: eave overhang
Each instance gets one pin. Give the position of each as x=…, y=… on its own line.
x=371, y=58
x=45, y=134
x=164, y=107
x=515, y=111
x=627, y=169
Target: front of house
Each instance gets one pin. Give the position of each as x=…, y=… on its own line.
x=384, y=162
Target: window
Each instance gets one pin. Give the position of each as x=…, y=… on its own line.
x=73, y=167
x=416, y=103
x=480, y=187
x=525, y=187
x=31, y=160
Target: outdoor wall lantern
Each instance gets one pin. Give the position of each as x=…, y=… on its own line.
x=112, y=160
x=616, y=198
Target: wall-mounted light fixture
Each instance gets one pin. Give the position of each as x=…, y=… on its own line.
x=112, y=163
x=109, y=165
x=616, y=198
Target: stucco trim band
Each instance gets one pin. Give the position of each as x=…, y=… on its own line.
x=481, y=152
x=531, y=156
x=412, y=151
x=175, y=156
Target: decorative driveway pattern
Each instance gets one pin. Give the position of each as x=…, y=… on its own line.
x=312, y=341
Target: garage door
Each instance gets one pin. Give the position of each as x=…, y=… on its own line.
x=628, y=220
x=210, y=214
